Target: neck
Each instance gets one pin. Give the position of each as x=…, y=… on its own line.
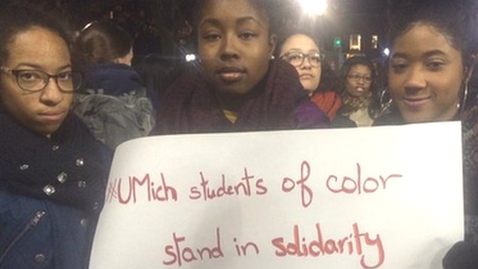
x=230, y=102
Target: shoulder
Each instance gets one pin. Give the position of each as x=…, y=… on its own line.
x=39, y=229
x=282, y=70
x=309, y=115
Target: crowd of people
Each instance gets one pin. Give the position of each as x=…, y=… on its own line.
x=67, y=101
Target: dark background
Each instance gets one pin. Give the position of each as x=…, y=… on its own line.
x=163, y=26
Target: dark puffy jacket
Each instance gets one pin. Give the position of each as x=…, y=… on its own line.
x=114, y=104
x=41, y=234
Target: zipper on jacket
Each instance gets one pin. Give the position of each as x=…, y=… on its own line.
x=31, y=224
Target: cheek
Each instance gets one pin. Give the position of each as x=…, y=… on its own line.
x=21, y=107
x=258, y=62
x=449, y=90
x=9, y=95
x=206, y=52
x=68, y=99
x=349, y=85
x=316, y=82
x=207, y=59
x=394, y=84
x=318, y=73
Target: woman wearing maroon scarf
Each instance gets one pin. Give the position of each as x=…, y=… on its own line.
x=238, y=87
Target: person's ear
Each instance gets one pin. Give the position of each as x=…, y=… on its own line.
x=272, y=44
x=125, y=59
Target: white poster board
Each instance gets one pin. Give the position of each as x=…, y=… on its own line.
x=382, y=197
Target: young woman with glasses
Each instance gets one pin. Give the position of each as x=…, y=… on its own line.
x=360, y=105
x=52, y=170
x=304, y=53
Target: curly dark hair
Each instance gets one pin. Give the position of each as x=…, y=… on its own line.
x=17, y=18
x=456, y=19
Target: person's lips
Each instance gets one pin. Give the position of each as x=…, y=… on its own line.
x=230, y=74
x=360, y=89
x=416, y=101
x=306, y=76
x=52, y=116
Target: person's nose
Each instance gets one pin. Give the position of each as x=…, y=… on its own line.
x=360, y=80
x=51, y=95
x=306, y=63
x=229, y=48
x=415, y=79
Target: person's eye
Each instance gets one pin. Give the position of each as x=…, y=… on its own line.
x=211, y=36
x=294, y=57
x=398, y=67
x=435, y=65
x=247, y=36
x=30, y=76
x=368, y=79
x=65, y=76
x=315, y=58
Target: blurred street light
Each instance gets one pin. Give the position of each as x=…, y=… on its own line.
x=314, y=7
x=190, y=57
x=386, y=51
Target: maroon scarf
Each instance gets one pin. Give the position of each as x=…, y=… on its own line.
x=191, y=105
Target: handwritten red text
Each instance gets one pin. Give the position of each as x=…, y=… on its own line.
x=356, y=185
x=180, y=254
x=353, y=244
x=128, y=191
x=247, y=187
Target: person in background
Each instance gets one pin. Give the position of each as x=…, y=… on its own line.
x=360, y=104
x=114, y=102
x=158, y=73
x=432, y=43
x=52, y=170
x=238, y=86
x=304, y=53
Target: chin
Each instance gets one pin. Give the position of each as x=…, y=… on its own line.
x=233, y=90
x=308, y=87
x=46, y=131
x=417, y=117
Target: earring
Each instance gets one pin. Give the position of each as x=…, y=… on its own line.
x=386, y=101
x=272, y=57
x=460, y=106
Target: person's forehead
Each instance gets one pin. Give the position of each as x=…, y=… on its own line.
x=300, y=42
x=420, y=31
x=38, y=47
x=239, y=10
x=422, y=41
x=360, y=68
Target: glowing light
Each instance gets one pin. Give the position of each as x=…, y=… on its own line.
x=314, y=7
x=337, y=42
x=190, y=57
x=87, y=25
x=386, y=51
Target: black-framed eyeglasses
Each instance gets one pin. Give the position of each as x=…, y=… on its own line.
x=297, y=58
x=36, y=80
x=355, y=77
